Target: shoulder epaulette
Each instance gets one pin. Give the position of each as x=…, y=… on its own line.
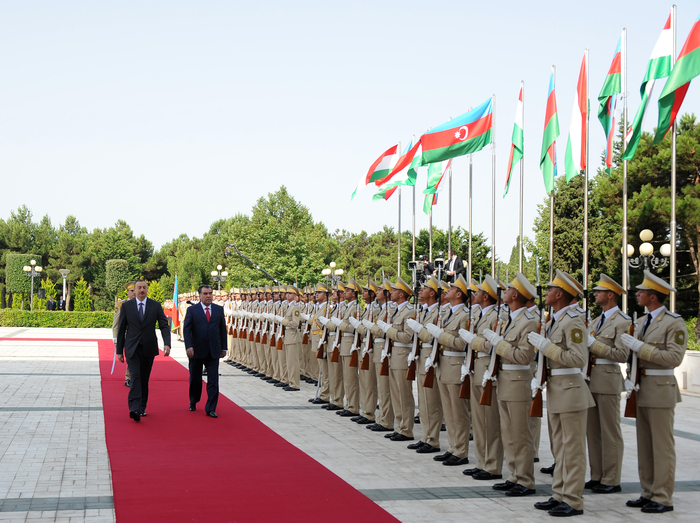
x=409, y=306
x=673, y=314
x=573, y=314
x=529, y=315
x=580, y=310
x=623, y=315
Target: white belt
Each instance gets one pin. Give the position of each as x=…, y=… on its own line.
x=601, y=361
x=483, y=355
x=509, y=366
x=379, y=340
x=348, y=334
x=397, y=344
x=332, y=333
x=427, y=345
x=564, y=372
x=454, y=354
x=659, y=372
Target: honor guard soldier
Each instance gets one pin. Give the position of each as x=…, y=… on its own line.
x=335, y=370
x=430, y=408
x=514, y=378
x=368, y=377
x=535, y=422
x=322, y=310
x=605, y=443
x=568, y=399
x=130, y=293
x=292, y=338
x=451, y=356
x=384, y=421
x=485, y=419
x=659, y=345
x=347, y=331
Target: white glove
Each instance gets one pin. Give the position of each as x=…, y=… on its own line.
x=410, y=358
x=591, y=340
x=631, y=342
x=383, y=325
x=257, y=316
x=279, y=318
x=629, y=386
x=305, y=316
x=115, y=341
x=355, y=323
x=538, y=341
x=414, y=325
x=534, y=386
x=336, y=321
x=466, y=335
x=494, y=338
x=324, y=321
x=428, y=363
x=434, y=330
x=463, y=373
x=367, y=324
x=384, y=354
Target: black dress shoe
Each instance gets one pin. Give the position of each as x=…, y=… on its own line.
x=135, y=415
x=193, y=407
x=486, y=476
x=638, y=503
x=548, y=470
x=371, y=427
x=656, y=508
x=127, y=383
x=401, y=437
x=365, y=421
x=289, y=388
x=591, y=483
x=389, y=436
x=381, y=428
x=318, y=401
x=547, y=505
x=280, y=384
x=454, y=461
x=341, y=412
x=415, y=446
x=416, y=420
x=519, y=491
x=564, y=510
x=273, y=382
x=356, y=418
x=471, y=437
x=143, y=414
x=428, y=449
x=212, y=414
x=471, y=472
x=443, y=428
x=505, y=486
x=348, y=414
x=259, y=375
x=606, y=489
x=443, y=457
x=536, y=460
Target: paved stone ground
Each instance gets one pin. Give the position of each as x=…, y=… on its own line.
x=54, y=464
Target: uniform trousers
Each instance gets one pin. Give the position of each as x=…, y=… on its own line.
x=368, y=392
x=385, y=415
x=293, y=356
x=535, y=425
x=569, y=444
x=402, y=401
x=454, y=410
x=656, y=453
x=351, y=385
x=517, y=441
x=605, y=443
x=322, y=375
x=429, y=405
x=486, y=428
x=335, y=376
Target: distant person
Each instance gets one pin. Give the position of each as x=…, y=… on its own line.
x=453, y=266
x=61, y=304
x=137, y=338
x=205, y=342
x=51, y=304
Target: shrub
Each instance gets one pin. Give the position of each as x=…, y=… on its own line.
x=156, y=292
x=693, y=343
x=81, y=297
x=116, y=275
x=15, y=318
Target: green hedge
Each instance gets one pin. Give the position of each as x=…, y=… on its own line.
x=693, y=342
x=15, y=318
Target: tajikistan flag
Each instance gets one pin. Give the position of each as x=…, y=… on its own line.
x=380, y=169
x=404, y=172
x=436, y=174
x=659, y=66
x=575, y=158
x=516, y=148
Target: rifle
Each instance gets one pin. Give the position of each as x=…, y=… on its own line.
x=541, y=378
x=589, y=364
x=305, y=332
x=435, y=354
x=465, y=388
x=281, y=330
x=323, y=340
x=335, y=349
x=356, y=340
x=633, y=376
x=251, y=332
x=368, y=343
x=492, y=372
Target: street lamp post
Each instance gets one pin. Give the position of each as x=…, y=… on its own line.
x=32, y=270
x=218, y=275
x=646, y=256
x=64, y=273
x=332, y=274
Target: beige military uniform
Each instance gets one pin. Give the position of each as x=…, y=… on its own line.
x=429, y=405
x=350, y=374
x=568, y=401
x=400, y=389
x=385, y=414
x=368, y=378
x=335, y=369
x=449, y=370
x=292, y=343
x=316, y=331
x=486, y=422
x=605, y=443
x=665, y=341
x=514, y=396
x=535, y=423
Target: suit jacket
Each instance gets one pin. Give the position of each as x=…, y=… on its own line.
x=607, y=379
x=450, y=367
x=400, y=333
x=50, y=305
x=207, y=338
x=514, y=385
x=459, y=264
x=61, y=305
x=133, y=331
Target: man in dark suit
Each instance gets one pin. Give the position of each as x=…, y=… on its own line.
x=51, y=304
x=61, y=304
x=137, y=337
x=453, y=266
x=205, y=342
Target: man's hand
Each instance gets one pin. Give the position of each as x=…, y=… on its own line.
x=190, y=353
x=166, y=350
x=223, y=353
x=120, y=357
x=632, y=343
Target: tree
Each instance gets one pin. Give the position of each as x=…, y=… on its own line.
x=16, y=279
x=156, y=292
x=49, y=290
x=116, y=276
x=69, y=252
x=82, y=301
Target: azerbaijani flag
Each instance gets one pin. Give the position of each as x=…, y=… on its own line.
x=659, y=66
x=380, y=169
x=575, y=158
x=176, y=315
x=516, y=147
x=404, y=172
x=608, y=100
x=465, y=134
x=436, y=173
x=686, y=68
x=548, y=156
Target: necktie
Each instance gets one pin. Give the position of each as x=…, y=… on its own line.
x=208, y=315
x=551, y=326
x=602, y=320
x=646, y=324
x=141, y=310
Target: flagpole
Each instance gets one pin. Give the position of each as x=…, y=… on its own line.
x=551, y=202
x=449, y=214
x=430, y=235
x=493, y=190
x=585, y=201
x=522, y=184
x=672, y=269
x=625, y=232
x=414, y=223
x=470, y=217
x=398, y=263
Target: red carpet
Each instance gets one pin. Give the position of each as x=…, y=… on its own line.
x=177, y=465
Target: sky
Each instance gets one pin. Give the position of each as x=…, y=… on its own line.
x=171, y=115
